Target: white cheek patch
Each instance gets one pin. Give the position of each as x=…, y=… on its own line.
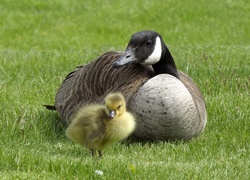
x=155, y=55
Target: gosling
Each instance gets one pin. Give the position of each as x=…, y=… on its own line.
x=99, y=126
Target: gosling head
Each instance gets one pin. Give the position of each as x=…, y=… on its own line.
x=114, y=105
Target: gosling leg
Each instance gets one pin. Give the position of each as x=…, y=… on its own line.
x=92, y=152
x=100, y=154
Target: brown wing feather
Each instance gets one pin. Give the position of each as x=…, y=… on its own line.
x=90, y=83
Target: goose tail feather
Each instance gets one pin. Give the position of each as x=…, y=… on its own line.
x=50, y=107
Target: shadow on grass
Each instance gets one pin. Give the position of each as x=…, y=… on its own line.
x=133, y=140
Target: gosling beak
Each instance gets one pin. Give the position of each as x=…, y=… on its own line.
x=127, y=58
x=112, y=114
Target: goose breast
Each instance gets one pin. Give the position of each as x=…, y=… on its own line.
x=166, y=110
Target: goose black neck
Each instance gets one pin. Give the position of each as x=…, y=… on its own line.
x=166, y=65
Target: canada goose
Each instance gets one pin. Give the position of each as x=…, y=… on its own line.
x=148, y=48
x=166, y=102
x=99, y=126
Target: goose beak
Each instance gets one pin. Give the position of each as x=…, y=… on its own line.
x=112, y=114
x=127, y=58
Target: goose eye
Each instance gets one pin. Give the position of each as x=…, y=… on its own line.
x=148, y=42
x=119, y=107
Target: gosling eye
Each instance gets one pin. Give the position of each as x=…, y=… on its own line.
x=119, y=107
x=148, y=43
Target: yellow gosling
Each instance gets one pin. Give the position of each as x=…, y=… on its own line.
x=99, y=126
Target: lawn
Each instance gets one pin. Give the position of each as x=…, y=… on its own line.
x=41, y=41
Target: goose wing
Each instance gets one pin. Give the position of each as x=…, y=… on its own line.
x=90, y=83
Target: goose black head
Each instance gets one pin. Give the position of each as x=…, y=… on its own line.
x=148, y=48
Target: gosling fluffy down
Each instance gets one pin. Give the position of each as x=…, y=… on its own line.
x=99, y=126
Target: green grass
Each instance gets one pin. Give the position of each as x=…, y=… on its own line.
x=41, y=41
